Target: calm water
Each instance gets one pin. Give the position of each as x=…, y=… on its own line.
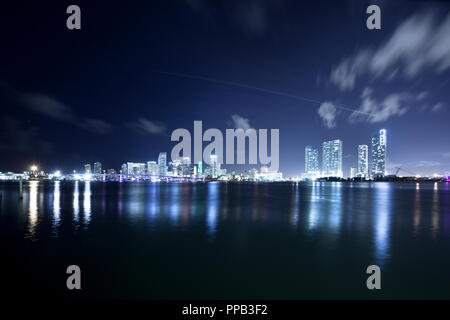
x=226, y=240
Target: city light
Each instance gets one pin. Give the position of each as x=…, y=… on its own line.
x=33, y=168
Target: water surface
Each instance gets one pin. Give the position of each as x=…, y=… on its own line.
x=226, y=240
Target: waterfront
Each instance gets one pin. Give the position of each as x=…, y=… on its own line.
x=227, y=240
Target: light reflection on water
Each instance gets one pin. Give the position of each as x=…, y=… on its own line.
x=76, y=206
x=32, y=209
x=382, y=209
x=87, y=204
x=318, y=206
x=56, y=208
x=212, y=204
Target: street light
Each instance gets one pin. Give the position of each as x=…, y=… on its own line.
x=34, y=168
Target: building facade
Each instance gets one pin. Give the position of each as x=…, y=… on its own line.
x=332, y=158
x=353, y=172
x=379, y=154
x=162, y=163
x=152, y=168
x=136, y=168
x=97, y=168
x=214, y=166
x=311, y=161
x=363, y=161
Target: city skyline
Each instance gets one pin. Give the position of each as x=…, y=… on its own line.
x=236, y=77
x=332, y=163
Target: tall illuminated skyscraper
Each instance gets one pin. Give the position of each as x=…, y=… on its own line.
x=87, y=168
x=215, y=166
x=311, y=160
x=332, y=158
x=363, y=161
x=162, y=163
x=379, y=154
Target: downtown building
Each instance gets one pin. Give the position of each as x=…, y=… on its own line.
x=162, y=163
x=332, y=158
x=311, y=162
x=136, y=168
x=363, y=162
x=214, y=166
x=379, y=154
x=152, y=168
x=97, y=168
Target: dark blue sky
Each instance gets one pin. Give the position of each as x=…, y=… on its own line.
x=104, y=93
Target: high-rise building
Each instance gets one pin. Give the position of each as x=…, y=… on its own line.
x=332, y=158
x=363, y=161
x=200, y=168
x=162, y=163
x=186, y=168
x=124, y=168
x=353, y=172
x=97, y=168
x=152, y=168
x=379, y=154
x=136, y=168
x=215, y=166
x=87, y=168
x=311, y=160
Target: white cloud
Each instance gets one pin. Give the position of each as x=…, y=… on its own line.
x=437, y=107
x=421, y=96
x=327, y=111
x=47, y=106
x=144, y=126
x=373, y=111
x=239, y=122
x=421, y=43
x=345, y=74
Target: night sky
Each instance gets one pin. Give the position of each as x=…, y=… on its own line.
x=115, y=90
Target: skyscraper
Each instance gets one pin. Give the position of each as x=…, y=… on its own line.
x=363, y=161
x=87, y=168
x=152, y=168
x=124, y=168
x=186, y=168
x=97, y=168
x=215, y=167
x=162, y=163
x=379, y=154
x=311, y=160
x=332, y=158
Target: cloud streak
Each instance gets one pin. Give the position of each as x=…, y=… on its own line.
x=379, y=111
x=145, y=126
x=419, y=44
x=54, y=109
